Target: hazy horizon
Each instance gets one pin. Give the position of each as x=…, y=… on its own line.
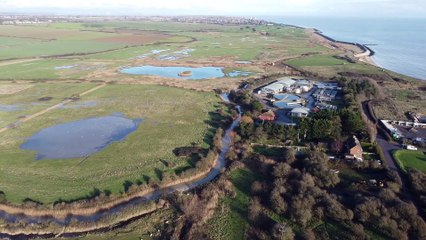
x=290, y=8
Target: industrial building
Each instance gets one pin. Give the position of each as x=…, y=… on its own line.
x=281, y=85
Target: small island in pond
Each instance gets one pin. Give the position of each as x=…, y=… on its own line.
x=185, y=74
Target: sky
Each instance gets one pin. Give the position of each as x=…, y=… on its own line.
x=336, y=8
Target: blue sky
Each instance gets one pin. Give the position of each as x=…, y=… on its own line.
x=338, y=8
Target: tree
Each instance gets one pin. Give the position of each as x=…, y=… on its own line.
x=256, y=106
x=282, y=232
x=336, y=146
x=246, y=127
x=357, y=232
x=289, y=155
x=352, y=122
x=308, y=234
x=278, y=203
x=254, y=210
x=281, y=170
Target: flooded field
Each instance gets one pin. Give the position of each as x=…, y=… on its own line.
x=80, y=138
x=192, y=73
x=173, y=72
x=237, y=73
x=10, y=108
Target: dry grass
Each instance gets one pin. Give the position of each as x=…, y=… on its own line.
x=13, y=88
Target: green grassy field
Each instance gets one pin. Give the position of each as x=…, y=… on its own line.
x=171, y=118
x=408, y=159
x=208, y=42
x=33, y=41
x=318, y=60
x=27, y=101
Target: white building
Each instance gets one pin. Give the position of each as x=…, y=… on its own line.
x=281, y=85
x=273, y=88
x=299, y=112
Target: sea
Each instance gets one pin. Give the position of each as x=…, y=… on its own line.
x=399, y=43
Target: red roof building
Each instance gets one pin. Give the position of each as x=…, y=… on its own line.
x=267, y=116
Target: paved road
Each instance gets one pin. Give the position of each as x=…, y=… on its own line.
x=387, y=149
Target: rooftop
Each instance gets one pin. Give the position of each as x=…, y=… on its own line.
x=301, y=110
x=286, y=81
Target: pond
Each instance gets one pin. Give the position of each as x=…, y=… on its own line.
x=80, y=138
x=176, y=55
x=237, y=73
x=197, y=73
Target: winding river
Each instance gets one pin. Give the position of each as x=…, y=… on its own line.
x=154, y=195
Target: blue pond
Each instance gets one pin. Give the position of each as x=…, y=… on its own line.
x=237, y=73
x=173, y=72
x=80, y=138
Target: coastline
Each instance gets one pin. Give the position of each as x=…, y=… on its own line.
x=366, y=54
x=361, y=52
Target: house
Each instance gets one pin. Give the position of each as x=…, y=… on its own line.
x=299, y=112
x=267, y=116
x=354, y=149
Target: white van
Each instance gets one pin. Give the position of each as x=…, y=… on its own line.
x=411, y=147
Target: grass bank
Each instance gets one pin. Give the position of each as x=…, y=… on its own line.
x=408, y=159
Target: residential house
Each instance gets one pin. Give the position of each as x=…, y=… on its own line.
x=354, y=149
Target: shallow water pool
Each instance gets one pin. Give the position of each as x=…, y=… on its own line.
x=80, y=138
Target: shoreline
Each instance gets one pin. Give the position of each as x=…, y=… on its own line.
x=365, y=56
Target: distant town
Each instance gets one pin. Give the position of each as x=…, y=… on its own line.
x=11, y=19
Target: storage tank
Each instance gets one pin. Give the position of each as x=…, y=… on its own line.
x=306, y=88
x=298, y=91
